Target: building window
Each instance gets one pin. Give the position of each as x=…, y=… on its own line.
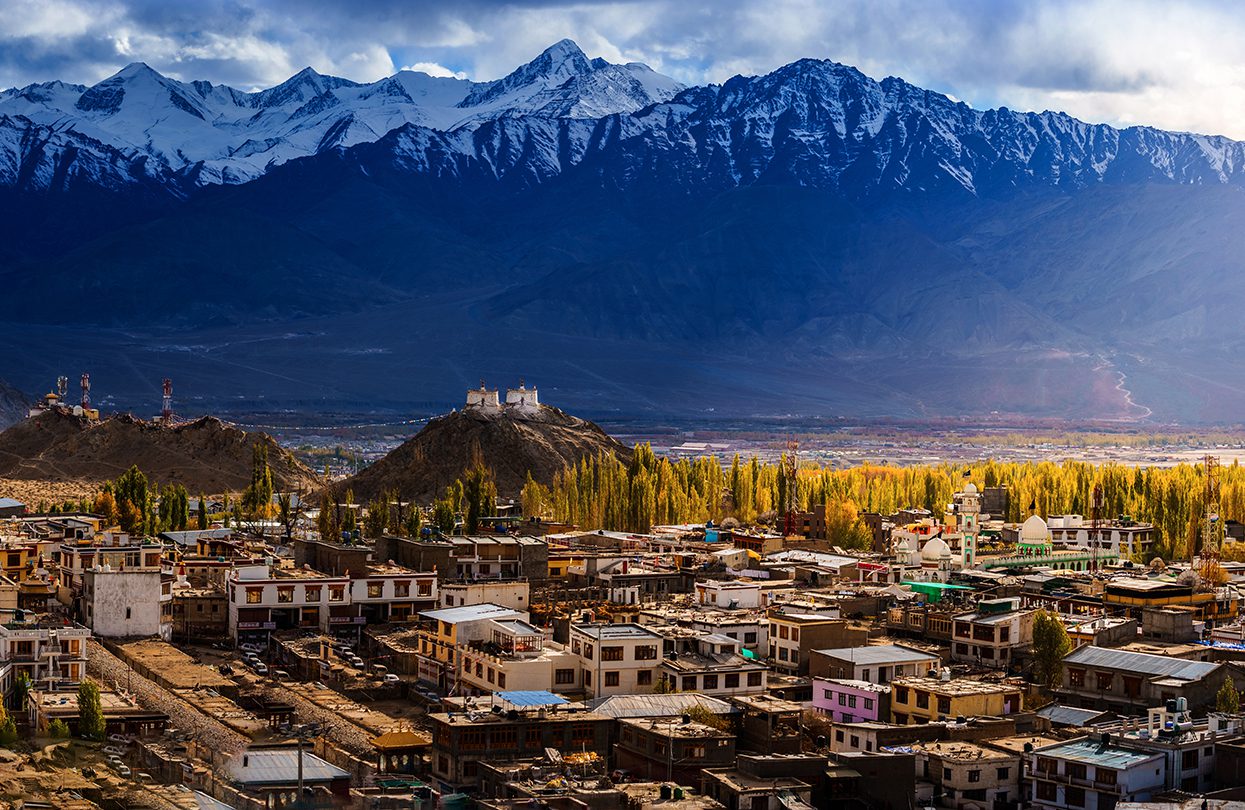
x=1076, y=770
x=611, y=679
x=1005, y=634
x=1046, y=791
x=588, y=651
x=285, y=593
x=575, y=646
x=689, y=683
x=782, y=653
x=851, y=701
x=311, y=593
x=564, y=676
x=961, y=648
x=974, y=776
x=1104, y=776
x=1188, y=759
x=375, y=590
x=842, y=698
x=750, y=638
x=855, y=741
x=901, y=694
x=732, y=681
x=1074, y=796
x=1105, y=681
x=501, y=680
x=868, y=704
x=337, y=593
x=401, y=589
x=944, y=705
x=1076, y=677
x=754, y=679
x=646, y=652
x=782, y=631
x=838, y=735
x=1003, y=773
x=946, y=774
x=795, y=634
x=644, y=677
x=711, y=682
x=611, y=653
x=425, y=587
x=922, y=700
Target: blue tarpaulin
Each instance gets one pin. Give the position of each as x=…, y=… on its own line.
x=535, y=697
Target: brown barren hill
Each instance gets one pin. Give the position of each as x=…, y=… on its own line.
x=510, y=442
x=205, y=455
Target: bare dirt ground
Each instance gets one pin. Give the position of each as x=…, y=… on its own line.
x=33, y=493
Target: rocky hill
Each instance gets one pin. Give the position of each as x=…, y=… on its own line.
x=510, y=442
x=205, y=455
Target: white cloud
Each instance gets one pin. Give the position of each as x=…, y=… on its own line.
x=434, y=69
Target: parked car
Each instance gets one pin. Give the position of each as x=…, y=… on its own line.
x=281, y=675
x=122, y=739
x=255, y=648
x=112, y=749
x=123, y=771
x=260, y=669
x=391, y=678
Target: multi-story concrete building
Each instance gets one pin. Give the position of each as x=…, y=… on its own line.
x=511, y=594
x=925, y=700
x=1088, y=774
x=127, y=602
x=878, y=664
x=964, y=775
x=616, y=659
x=517, y=656
x=1122, y=537
x=1124, y=681
x=499, y=557
x=709, y=663
x=43, y=649
x=448, y=632
x=731, y=594
x=991, y=634
x=670, y=749
x=794, y=636
x=851, y=701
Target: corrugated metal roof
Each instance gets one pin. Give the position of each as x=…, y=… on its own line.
x=1068, y=715
x=1143, y=663
x=1094, y=753
x=10, y=503
x=606, y=632
x=280, y=766
x=622, y=706
x=880, y=654
x=470, y=613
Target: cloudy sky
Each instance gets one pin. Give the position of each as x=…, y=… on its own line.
x=1177, y=65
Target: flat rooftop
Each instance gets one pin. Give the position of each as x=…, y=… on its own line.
x=958, y=751
x=177, y=669
x=880, y=654
x=615, y=632
x=1094, y=753
x=472, y=613
x=955, y=687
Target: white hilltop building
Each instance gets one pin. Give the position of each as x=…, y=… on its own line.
x=489, y=399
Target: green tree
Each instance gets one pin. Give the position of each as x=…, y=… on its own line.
x=1227, y=699
x=1050, y=645
x=90, y=712
x=21, y=691
x=131, y=489
x=8, y=729
x=58, y=730
x=349, y=523
x=203, y=513
x=376, y=521
x=414, y=521
x=443, y=516
x=257, y=497
x=285, y=513
x=326, y=523
x=479, y=497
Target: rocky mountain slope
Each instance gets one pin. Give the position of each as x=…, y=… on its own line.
x=511, y=443
x=13, y=405
x=811, y=240
x=205, y=455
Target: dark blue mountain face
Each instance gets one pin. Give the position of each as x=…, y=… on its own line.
x=809, y=241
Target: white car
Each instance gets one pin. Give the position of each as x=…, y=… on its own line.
x=123, y=771
x=261, y=669
x=391, y=678
x=255, y=648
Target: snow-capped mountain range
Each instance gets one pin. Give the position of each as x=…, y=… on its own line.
x=141, y=126
x=816, y=123
x=811, y=239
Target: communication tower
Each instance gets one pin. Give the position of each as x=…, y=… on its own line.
x=86, y=391
x=1212, y=527
x=166, y=410
x=790, y=466
x=62, y=387
x=1095, y=527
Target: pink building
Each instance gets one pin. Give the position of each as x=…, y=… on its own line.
x=846, y=701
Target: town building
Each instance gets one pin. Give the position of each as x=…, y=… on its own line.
x=708, y=663
x=122, y=713
x=1121, y=537
x=449, y=631
x=127, y=602
x=672, y=749
x=850, y=701
x=794, y=636
x=516, y=656
x=925, y=700
x=272, y=775
x=44, y=649
x=991, y=635
x=616, y=659
x=731, y=594
x=1126, y=682
x=760, y=783
x=1093, y=775
x=964, y=775
x=523, y=726
x=511, y=594
x=879, y=664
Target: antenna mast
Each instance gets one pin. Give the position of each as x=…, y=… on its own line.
x=790, y=466
x=62, y=387
x=166, y=411
x=1208, y=556
x=1095, y=528
x=86, y=391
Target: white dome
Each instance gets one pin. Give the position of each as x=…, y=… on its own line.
x=970, y=488
x=904, y=546
x=1034, y=530
x=935, y=550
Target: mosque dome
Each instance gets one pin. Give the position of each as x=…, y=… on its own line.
x=1034, y=531
x=935, y=550
x=970, y=488
x=904, y=547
